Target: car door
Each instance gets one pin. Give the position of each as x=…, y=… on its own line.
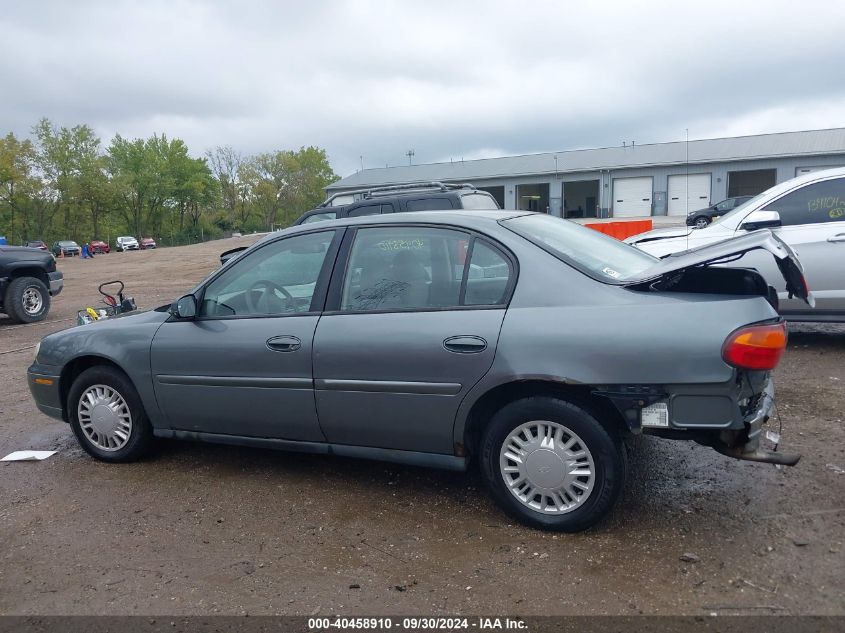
x=243, y=365
x=411, y=324
x=813, y=224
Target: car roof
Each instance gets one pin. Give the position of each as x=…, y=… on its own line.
x=460, y=217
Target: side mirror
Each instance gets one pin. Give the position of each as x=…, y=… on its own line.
x=761, y=220
x=184, y=308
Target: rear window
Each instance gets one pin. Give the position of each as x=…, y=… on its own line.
x=479, y=201
x=595, y=254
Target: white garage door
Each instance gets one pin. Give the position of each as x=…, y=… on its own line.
x=631, y=197
x=688, y=193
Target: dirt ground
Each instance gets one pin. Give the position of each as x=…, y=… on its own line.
x=202, y=529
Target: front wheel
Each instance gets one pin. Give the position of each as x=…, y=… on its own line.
x=701, y=222
x=107, y=416
x=550, y=464
x=27, y=300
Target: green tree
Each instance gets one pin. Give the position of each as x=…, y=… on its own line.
x=285, y=184
x=18, y=184
x=145, y=175
x=63, y=155
x=227, y=166
x=195, y=188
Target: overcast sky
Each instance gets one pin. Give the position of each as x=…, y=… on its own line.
x=448, y=79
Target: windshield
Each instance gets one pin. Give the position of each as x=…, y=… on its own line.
x=740, y=210
x=595, y=254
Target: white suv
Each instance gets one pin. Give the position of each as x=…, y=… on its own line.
x=808, y=213
x=126, y=243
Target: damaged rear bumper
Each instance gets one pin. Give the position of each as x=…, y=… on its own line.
x=751, y=449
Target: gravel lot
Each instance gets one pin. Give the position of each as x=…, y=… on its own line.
x=201, y=529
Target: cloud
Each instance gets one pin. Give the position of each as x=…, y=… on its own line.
x=448, y=79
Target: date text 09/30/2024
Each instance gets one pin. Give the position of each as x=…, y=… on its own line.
x=417, y=623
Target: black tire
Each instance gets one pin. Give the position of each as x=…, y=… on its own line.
x=603, y=444
x=21, y=295
x=141, y=434
x=701, y=221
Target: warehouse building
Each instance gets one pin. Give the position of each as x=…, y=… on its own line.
x=632, y=180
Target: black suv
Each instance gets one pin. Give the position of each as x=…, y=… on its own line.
x=28, y=278
x=415, y=196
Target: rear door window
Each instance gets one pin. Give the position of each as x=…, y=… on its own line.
x=404, y=267
x=812, y=204
x=423, y=268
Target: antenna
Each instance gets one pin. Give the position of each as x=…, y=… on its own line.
x=686, y=181
x=410, y=155
x=362, y=162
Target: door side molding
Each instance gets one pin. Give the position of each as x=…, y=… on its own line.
x=388, y=386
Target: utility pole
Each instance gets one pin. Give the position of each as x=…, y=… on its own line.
x=410, y=155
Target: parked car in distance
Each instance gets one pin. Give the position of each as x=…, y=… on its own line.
x=702, y=217
x=435, y=338
x=65, y=248
x=98, y=247
x=808, y=213
x=28, y=279
x=36, y=244
x=147, y=243
x=126, y=243
x=416, y=196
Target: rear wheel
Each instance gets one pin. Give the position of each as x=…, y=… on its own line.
x=27, y=300
x=107, y=416
x=551, y=464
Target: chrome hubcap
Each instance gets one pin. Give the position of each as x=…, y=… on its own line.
x=32, y=301
x=104, y=417
x=547, y=467
x=700, y=223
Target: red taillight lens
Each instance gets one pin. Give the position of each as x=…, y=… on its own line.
x=756, y=346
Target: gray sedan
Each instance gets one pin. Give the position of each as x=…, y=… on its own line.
x=526, y=344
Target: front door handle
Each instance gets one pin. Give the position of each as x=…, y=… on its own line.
x=839, y=237
x=465, y=344
x=283, y=344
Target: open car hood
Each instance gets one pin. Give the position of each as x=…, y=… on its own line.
x=730, y=250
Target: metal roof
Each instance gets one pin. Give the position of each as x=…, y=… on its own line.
x=810, y=142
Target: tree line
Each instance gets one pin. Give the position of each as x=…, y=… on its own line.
x=62, y=183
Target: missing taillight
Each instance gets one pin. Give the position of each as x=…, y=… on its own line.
x=755, y=347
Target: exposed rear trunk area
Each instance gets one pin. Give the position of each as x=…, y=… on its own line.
x=713, y=280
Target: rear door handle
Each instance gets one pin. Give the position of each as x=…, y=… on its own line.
x=465, y=344
x=839, y=237
x=283, y=344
